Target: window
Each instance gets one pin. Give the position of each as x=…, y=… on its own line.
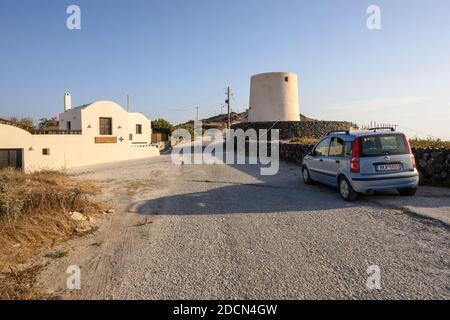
x=130, y=137
x=336, y=147
x=286, y=79
x=68, y=125
x=383, y=145
x=139, y=129
x=46, y=152
x=348, y=149
x=322, y=148
x=105, y=126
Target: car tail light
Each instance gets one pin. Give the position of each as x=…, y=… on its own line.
x=354, y=164
x=411, y=154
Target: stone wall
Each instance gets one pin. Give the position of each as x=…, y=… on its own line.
x=294, y=153
x=294, y=129
x=433, y=164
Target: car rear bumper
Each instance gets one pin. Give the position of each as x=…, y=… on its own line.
x=377, y=183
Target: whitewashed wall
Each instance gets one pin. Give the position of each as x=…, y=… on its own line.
x=69, y=151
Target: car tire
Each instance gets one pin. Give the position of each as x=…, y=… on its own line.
x=346, y=190
x=407, y=192
x=306, y=176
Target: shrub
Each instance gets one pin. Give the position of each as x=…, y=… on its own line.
x=162, y=126
x=304, y=140
x=429, y=143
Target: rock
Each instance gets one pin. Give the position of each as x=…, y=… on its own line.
x=85, y=227
x=422, y=163
x=110, y=211
x=77, y=216
x=438, y=167
x=436, y=154
x=429, y=171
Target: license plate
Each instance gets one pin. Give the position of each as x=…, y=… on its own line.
x=389, y=167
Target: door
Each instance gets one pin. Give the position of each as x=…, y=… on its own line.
x=319, y=153
x=333, y=162
x=11, y=158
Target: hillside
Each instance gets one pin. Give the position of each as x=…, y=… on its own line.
x=220, y=121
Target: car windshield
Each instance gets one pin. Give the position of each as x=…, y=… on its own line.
x=380, y=145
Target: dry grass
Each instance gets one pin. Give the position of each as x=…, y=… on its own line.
x=304, y=140
x=19, y=285
x=33, y=218
x=429, y=143
x=415, y=143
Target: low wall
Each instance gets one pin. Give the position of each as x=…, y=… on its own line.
x=294, y=129
x=433, y=164
x=294, y=153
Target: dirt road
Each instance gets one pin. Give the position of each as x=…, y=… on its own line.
x=219, y=231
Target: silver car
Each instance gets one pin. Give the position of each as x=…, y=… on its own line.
x=363, y=162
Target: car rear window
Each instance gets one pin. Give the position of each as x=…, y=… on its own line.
x=381, y=145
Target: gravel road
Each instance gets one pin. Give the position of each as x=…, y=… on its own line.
x=225, y=232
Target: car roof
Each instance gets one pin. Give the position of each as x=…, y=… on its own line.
x=361, y=133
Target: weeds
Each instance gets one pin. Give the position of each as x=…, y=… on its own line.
x=429, y=143
x=34, y=217
x=304, y=140
x=57, y=255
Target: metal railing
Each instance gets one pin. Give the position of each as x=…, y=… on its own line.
x=374, y=124
x=38, y=131
x=42, y=132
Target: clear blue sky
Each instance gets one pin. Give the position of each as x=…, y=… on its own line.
x=172, y=55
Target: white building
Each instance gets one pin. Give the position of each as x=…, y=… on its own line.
x=274, y=97
x=95, y=133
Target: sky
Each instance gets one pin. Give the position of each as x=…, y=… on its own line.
x=172, y=56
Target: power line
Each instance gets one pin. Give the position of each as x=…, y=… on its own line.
x=187, y=108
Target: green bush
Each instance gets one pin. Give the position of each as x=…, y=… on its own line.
x=162, y=126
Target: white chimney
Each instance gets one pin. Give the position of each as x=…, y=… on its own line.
x=67, y=101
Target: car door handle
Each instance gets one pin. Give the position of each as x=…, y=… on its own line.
x=321, y=160
x=338, y=161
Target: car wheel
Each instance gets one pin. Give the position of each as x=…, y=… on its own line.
x=306, y=177
x=346, y=190
x=407, y=192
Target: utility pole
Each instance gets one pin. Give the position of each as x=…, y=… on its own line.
x=197, y=113
x=229, y=106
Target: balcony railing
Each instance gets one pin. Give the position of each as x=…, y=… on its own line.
x=40, y=132
x=37, y=131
